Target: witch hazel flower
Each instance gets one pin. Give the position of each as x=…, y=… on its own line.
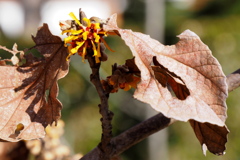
x=84, y=36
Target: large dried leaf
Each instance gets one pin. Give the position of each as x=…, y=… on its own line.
x=183, y=81
x=189, y=63
x=28, y=93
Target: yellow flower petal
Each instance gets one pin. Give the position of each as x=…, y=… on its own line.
x=75, y=49
x=76, y=31
x=69, y=54
x=94, y=49
x=70, y=38
x=84, y=50
x=97, y=26
x=75, y=18
x=65, y=31
x=96, y=53
x=98, y=50
x=96, y=36
x=85, y=35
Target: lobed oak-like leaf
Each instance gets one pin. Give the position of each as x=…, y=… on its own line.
x=28, y=93
x=183, y=81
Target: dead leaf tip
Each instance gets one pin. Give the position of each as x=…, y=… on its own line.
x=114, y=16
x=187, y=33
x=111, y=23
x=204, y=149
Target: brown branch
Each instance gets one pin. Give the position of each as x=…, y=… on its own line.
x=104, y=148
x=233, y=80
x=146, y=128
x=132, y=136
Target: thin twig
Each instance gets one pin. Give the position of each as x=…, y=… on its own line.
x=233, y=80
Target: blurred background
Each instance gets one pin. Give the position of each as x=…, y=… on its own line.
x=217, y=22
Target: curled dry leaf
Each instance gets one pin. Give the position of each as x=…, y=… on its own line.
x=28, y=93
x=123, y=77
x=183, y=81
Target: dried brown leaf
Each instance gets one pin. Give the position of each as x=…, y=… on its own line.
x=28, y=93
x=211, y=137
x=183, y=81
x=123, y=77
x=191, y=63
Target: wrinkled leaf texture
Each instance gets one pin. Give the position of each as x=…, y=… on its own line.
x=28, y=93
x=183, y=81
